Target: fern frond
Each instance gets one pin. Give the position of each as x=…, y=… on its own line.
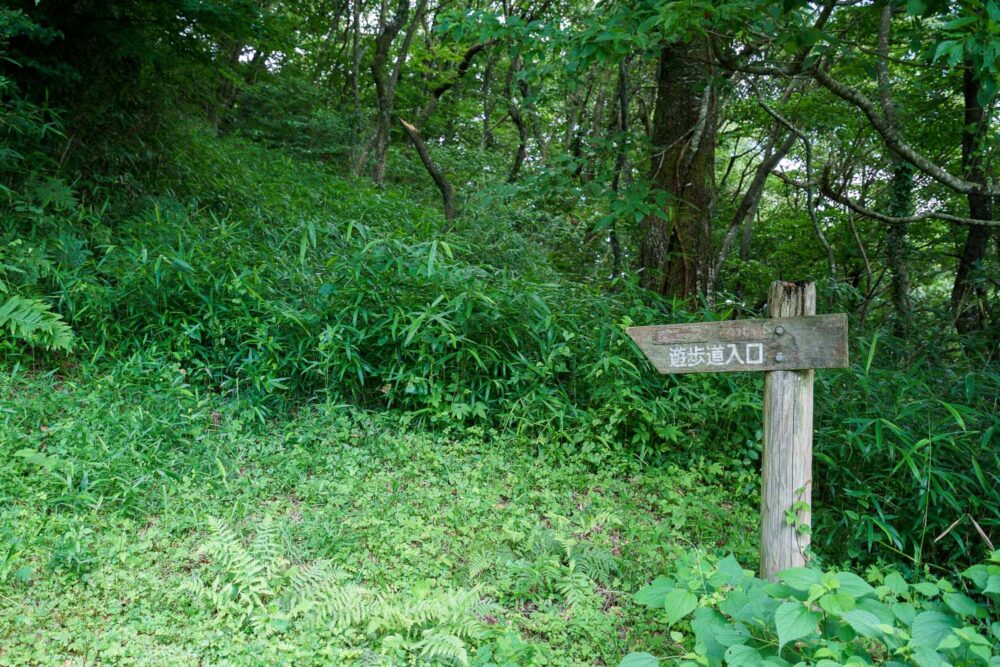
x=441, y=647
x=594, y=561
x=575, y=587
x=266, y=548
x=479, y=564
x=567, y=545
x=33, y=321
x=346, y=605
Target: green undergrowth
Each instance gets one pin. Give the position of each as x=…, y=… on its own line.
x=146, y=522
x=826, y=618
x=275, y=282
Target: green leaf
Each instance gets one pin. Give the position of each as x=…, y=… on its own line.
x=880, y=610
x=962, y=605
x=929, y=628
x=853, y=585
x=863, y=622
x=431, y=257
x=960, y=22
x=708, y=624
x=652, y=595
x=800, y=578
x=926, y=588
x=955, y=414
x=742, y=655
x=905, y=612
x=182, y=265
x=837, y=603
x=978, y=574
x=993, y=10
x=678, y=604
x=895, y=582
x=927, y=657
x=730, y=567
x=639, y=660
x=794, y=620
x=944, y=47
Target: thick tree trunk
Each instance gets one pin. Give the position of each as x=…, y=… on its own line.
x=676, y=253
x=967, y=299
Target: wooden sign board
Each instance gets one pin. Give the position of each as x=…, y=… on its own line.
x=790, y=343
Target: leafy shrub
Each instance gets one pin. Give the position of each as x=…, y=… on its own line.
x=825, y=617
x=907, y=457
x=277, y=282
x=289, y=113
x=28, y=200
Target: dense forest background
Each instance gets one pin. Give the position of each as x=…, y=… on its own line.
x=452, y=211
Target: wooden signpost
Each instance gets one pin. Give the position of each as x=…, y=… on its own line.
x=787, y=347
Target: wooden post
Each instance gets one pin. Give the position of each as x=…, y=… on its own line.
x=786, y=348
x=787, y=462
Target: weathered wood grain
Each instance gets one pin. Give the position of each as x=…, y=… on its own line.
x=787, y=460
x=786, y=343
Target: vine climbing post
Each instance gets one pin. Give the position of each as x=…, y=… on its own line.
x=786, y=472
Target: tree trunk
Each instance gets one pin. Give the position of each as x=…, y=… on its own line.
x=486, y=141
x=447, y=194
x=383, y=85
x=385, y=82
x=900, y=205
x=356, y=58
x=514, y=110
x=676, y=253
x=968, y=299
x=620, y=163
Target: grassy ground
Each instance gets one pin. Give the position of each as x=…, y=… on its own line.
x=143, y=523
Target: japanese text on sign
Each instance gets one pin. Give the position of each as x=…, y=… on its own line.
x=682, y=356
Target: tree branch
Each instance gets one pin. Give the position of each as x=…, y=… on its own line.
x=830, y=193
x=463, y=68
x=892, y=138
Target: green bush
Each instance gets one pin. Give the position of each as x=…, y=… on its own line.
x=721, y=615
